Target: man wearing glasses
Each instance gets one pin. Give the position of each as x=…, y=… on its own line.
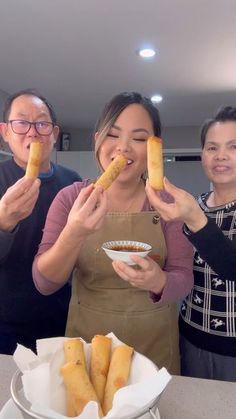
x=25, y=315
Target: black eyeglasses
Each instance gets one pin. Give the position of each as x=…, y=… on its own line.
x=20, y=126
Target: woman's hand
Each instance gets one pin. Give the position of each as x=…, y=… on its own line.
x=184, y=207
x=146, y=274
x=85, y=217
x=88, y=211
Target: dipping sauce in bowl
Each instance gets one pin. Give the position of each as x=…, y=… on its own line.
x=127, y=248
x=123, y=249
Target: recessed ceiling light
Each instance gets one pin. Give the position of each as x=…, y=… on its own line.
x=147, y=52
x=156, y=98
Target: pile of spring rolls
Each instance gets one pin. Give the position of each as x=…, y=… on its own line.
x=108, y=372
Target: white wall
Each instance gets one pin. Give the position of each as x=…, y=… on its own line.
x=187, y=175
x=3, y=145
x=181, y=137
x=3, y=96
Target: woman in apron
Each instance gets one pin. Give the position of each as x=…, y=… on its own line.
x=136, y=303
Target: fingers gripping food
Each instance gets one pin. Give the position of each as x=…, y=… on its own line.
x=99, y=364
x=79, y=386
x=118, y=374
x=155, y=162
x=112, y=171
x=34, y=161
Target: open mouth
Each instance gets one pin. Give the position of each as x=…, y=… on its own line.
x=129, y=161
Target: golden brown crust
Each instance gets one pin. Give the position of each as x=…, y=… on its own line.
x=107, y=373
x=118, y=374
x=79, y=386
x=34, y=161
x=155, y=162
x=74, y=352
x=112, y=171
x=99, y=364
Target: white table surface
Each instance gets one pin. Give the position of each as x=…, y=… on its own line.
x=184, y=398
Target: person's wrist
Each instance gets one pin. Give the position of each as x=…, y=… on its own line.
x=158, y=290
x=8, y=227
x=197, y=224
x=70, y=238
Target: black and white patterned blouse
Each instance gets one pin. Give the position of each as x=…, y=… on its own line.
x=208, y=314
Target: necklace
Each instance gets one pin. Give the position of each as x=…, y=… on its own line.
x=135, y=204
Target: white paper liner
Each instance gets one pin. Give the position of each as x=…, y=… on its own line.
x=44, y=389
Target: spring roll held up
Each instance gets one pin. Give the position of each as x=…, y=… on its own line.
x=112, y=171
x=34, y=161
x=155, y=162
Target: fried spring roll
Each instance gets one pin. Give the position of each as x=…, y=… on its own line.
x=99, y=364
x=74, y=351
x=34, y=161
x=112, y=171
x=155, y=162
x=78, y=384
x=118, y=374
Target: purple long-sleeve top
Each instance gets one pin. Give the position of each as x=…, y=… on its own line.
x=178, y=264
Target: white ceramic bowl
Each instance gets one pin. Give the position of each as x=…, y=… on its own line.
x=147, y=412
x=123, y=249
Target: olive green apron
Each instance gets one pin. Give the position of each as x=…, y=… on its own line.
x=102, y=302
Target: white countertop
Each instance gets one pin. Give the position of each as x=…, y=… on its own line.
x=184, y=398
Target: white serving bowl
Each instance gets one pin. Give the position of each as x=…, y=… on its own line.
x=123, y=249
x=149, y=411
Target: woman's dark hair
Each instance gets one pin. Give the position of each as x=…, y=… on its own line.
x=224, y=114
x=113, y=109
x=27, y=92
x=119, y=102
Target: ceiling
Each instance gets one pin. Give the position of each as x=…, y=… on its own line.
x=79, y=53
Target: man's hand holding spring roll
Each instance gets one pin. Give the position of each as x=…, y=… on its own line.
x=18, y=202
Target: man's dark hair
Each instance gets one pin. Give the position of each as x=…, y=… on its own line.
x=224, y=114
x=27, y=92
